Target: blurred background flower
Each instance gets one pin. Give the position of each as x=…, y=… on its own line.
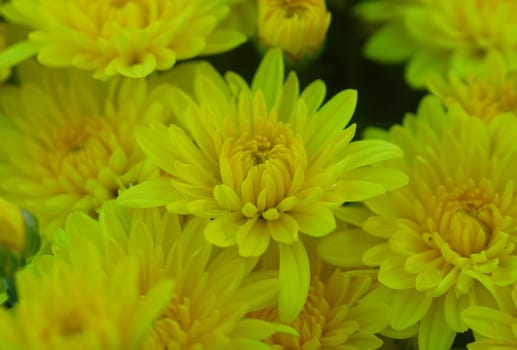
x=68, y=140
x=129, y=38
x=434, y=36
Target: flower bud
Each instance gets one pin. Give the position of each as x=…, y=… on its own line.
x=19, y=238
x=12, y=227
x=298, y=27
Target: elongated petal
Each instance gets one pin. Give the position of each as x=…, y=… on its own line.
x=489, y=322
x=409, y=308
x=294, y=280
x=331, y=119
x=346, y=249
x=149, y=194
x=434, y=332
x=269, y=76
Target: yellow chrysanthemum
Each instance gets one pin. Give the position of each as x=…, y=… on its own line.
x=491, y=92
x=213, y=291
x=445, y=241
x=64, y=305
x=298, y=27
x=264, y=163
x=338, y=314
x=494, y=328
x=68, y=140
x=438, y=35
x=130, y=38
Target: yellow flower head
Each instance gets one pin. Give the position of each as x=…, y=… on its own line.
x=338, y=314
x=494, y=328
x=298, y=27
x=444, y=241
x=130, y=38
x=68, y=140
x=438, y=35
x=491, y=92
x=75, y=305
x=212, y=292
x=264, y=163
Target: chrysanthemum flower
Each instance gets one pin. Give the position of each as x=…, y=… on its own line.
x=64, y=305
x=68, y=140
x=494, y=328
x=438, y=35
x=213, y=291
x=130, y=38
x=491, y=92
x=298, y=27
x=264, y=163
x=338, y=314
x=445, y=241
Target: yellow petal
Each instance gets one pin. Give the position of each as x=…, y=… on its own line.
x=222, y=230
x=409, y=307
x=346, y=248
x=149, y=194
x=314, y=220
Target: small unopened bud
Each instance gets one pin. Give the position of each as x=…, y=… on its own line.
x=19, y=237
x=298, y=27
x=12, y=227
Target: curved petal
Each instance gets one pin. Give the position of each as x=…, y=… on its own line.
x=222, y=230
x=314, y=220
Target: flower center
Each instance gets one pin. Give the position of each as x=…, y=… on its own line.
x=465, y=217
x=260, y=149
x=261, y=164
x=72, y=325
x=84, y=146
x=467, y=226
x=487, y=102
x=317, y=324
x=299, y=8
x=310, y=323
x=184, y=325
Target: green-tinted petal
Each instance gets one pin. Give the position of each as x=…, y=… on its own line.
x=223, y=40
x=221, y=231
x=434, y=332
x=331, y=119
x=314, y=94
x=253, y=238
x=409, y=307
x=346, y=249
x=259, y=329
x=367, y=152
x=314, y=220
x=270, y=76
x=391, y=44
x=294, y=280
x=226, y=197
x=489, y=322
x=149, y=194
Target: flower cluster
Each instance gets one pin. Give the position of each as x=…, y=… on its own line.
x=148, y=203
